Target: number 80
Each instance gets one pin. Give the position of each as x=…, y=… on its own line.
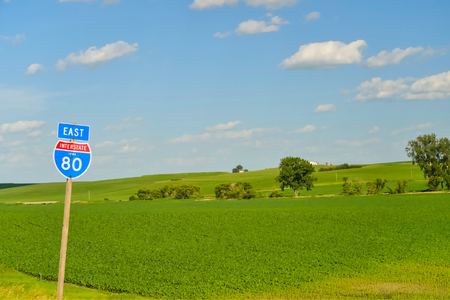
x=66, y=164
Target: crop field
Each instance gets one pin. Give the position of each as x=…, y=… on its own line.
x=263, y=181
x=388, y=246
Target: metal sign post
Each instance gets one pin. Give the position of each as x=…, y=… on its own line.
x=72, y=160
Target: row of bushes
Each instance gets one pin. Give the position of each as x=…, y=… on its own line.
x=353, y=187
x=238, y=190
x=340, y=167
x=185, y=191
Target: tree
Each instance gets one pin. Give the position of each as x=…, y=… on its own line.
x=235, y=170
x=239, y=167
x=296, y=173
x=351, y=187
x=432, y=155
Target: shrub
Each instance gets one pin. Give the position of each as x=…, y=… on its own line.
x=276, y=194
x=351, y=187
x=374, y=188
x=167, y=190
x=186, y=191
x=238, y=190
x=133, y=197
x=221, y=190
x=154, y=194
x=399, y=188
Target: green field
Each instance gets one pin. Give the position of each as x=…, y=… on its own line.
x=388, y=246
x=263, y=180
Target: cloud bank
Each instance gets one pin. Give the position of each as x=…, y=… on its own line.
x=428, y=88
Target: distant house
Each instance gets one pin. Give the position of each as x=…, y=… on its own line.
x=314, y=163
x=241, y=171
x=328, y=163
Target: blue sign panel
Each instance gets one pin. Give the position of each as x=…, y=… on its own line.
x=72, y=159
x=73, y=131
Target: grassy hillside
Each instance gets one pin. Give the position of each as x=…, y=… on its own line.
x=16, y=285
x=262, y=180
x=388, y=246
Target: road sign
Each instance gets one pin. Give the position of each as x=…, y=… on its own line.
x=73, y=131
x=72, y=159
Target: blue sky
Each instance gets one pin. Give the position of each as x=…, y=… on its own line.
x=204, y=85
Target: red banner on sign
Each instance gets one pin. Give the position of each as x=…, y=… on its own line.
x=73, y=147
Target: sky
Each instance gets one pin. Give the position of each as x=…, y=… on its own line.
x=204, y=85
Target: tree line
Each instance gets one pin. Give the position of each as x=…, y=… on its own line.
x=431, y=154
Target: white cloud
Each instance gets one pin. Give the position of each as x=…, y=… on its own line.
x=252, y=27
x=202, y=4
x=18, y=38
x=394, y=57
x=15, y=40
x=434, y=83
x=20, y=126
x=222, y=35
x=379, y=89
x=374, y=130
x=307, y=128
x=434, y=52
x=185, y=161
x=123, y=146
x=186, y=138
x=279, y=21
x=34, y=68
x=93, y=58
x=236, y=134
x=271, y=4
x=411, y=128
x=426, y=96
x=326, y=55
x=315, y=15
x=428, y=88
x=227, y=126
x=325, y=108
x=127, y=148
x=125, y=124
x=194, y=150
